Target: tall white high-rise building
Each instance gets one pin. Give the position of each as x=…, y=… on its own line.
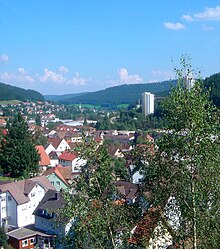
x=147, y=103
x=190, y=81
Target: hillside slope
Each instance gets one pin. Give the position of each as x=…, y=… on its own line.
x=123, y=94
x=8, y=92
x=213, y=83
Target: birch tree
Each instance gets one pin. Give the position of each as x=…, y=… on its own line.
x=185, y=165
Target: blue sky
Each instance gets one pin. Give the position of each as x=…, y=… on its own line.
x=72, y=46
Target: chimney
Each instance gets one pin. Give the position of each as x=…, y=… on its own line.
x=57, y=195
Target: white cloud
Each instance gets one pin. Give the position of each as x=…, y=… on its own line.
x=174, y=26
x=77, y=80
x=20, y=76
x=124, y=77
x=162, y=75
x=58, y=77
x=51, y=76
x=63, y=69
x=207, y=14
x=4, y=58
x=187, y=18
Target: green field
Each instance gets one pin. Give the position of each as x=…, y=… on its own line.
x=87, y=105
x=123, y=106
x=9, y=102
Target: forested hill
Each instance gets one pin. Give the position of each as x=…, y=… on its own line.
x=123, y=94
x=213, y=83
x=8, y=92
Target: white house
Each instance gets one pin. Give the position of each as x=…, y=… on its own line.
x=19, y=199
x=58, y=145
x=68, y=158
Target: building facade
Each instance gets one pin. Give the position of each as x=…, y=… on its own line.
x=147, y=103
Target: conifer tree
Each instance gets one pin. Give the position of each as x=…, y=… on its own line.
x=18, y=155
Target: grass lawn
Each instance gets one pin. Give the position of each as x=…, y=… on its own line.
x=9, y=102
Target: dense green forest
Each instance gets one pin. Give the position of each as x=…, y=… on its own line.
x=123, y=94
x=130, y=94
x=213, y=83
x=8, y=92
x=60, y=98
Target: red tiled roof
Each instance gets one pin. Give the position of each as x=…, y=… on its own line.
x=60, y=171
x=44, y=158
x=68, y=156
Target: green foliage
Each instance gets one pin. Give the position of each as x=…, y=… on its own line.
x=38, y=120
x=130, y=120
x=3, y=237
x=113, y=96
x=8, y=92
x=185, y=164
x=213, y=82
x=38, y=138
x=18, y=155
x=100, y=222
x=120, y=168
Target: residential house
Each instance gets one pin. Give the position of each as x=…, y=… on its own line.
x=126, y=191
x=59, y=145
x=46, y=215
x=19, y=199
x=60, y=177
x=68, y=158
x=54, y=161
x=44, y=158
x=26, y=238
x=115, y=151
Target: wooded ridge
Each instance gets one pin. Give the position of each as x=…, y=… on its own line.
x=8, y=92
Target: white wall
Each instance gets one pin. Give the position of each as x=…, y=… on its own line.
x=49, y=149
x=25, y=211
x=63, y=146
x=77, y=164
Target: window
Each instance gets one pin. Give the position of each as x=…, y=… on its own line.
x=24, y=208
x=52, y=182
x=33, y=194
x=3, y=198
x=9, y=198
x=3, y=209
x=32, y=241
x=58, y=183
x=24, y=242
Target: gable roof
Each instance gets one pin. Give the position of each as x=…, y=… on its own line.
x=20, y=189
x=127, y=189
x=64, y=173
x=24, y=232
x=54, y=141
x=52, y=201
x=44, y=158
x=67, y=156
